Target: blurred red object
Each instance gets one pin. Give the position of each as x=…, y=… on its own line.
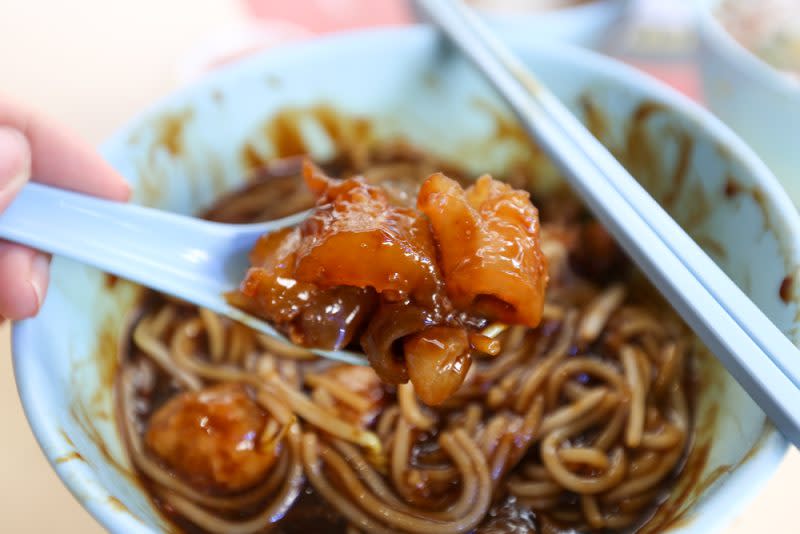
x=682, y=76
x=274, y=22
x=320, y=16
x=230, y=44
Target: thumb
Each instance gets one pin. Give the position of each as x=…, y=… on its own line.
x=23, y=272
x=15, y=164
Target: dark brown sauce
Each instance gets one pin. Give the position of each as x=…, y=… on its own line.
x=785, y=290
x=308, y=515
x=250, y=158
x=110, y=280
x=595, y=121
x=83, y=418
x=309, y=512
x=681, y=169
x=732, y=187
x=283, y=132
x=170, y=130
x=687, y=486
x=66, y=437
x=637, y=155
x=105, y=360
x=712, y=478
x=640, y=152
x=117, y=504
x=73, y=455
x=761, y=200
x=505, y=126
x=312, y=514
x=669, y=514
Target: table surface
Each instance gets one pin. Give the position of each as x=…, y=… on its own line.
x=107, y=72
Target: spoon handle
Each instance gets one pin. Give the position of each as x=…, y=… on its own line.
x=155, y=248
x=752, y=349
x=189, y=258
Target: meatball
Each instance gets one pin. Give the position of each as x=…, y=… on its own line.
x=213, y=438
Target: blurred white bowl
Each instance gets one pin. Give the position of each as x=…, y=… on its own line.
x=702, y=173
x=760, y=103
x=587, y=24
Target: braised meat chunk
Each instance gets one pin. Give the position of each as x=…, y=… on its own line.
x=488, y=241
x=410, y=285
x=356, y=237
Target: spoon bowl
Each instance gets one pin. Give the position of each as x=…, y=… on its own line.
x=188, y=258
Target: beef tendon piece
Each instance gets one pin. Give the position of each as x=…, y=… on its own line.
x=382, y=340
x=270, y=285
x=309, y=315
x=438, y=359
x=357, y=237
x=488, y=247
x=409, y=284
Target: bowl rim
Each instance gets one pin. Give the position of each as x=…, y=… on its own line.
x=745, y=479
x=714, y=36
x=584, y=9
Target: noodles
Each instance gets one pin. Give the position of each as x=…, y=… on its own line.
x=216, y=335
x=578, y=424
x=312, y=413
x=467, y=511
x=159, y=353
x=566, y=415
x=598, y=313
x=539, y=373
x=347, y=508
x=411, y=409
x=292, y=486
x=633, y=432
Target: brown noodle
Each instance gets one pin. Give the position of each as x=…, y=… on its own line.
x=582, y=421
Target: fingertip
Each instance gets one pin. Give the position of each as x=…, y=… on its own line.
x=117, y=189
x=24, y=279
x=15, y=163
x=103, y=180
x=125, y=191
x=39, y=277
x=57, y=157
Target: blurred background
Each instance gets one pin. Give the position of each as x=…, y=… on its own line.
x=91, y=64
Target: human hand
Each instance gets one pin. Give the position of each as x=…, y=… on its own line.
x=32, y=146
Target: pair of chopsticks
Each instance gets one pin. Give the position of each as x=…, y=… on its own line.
x=749, y=345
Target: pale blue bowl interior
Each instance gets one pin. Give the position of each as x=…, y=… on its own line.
x=407, y=84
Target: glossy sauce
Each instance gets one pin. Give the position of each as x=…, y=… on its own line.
x=212, y=438
x=407, y=284
x=310, y=513
x=488, y=238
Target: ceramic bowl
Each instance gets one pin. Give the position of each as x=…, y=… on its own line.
x=759, y=102
x=187, y=149
x=587, y=24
